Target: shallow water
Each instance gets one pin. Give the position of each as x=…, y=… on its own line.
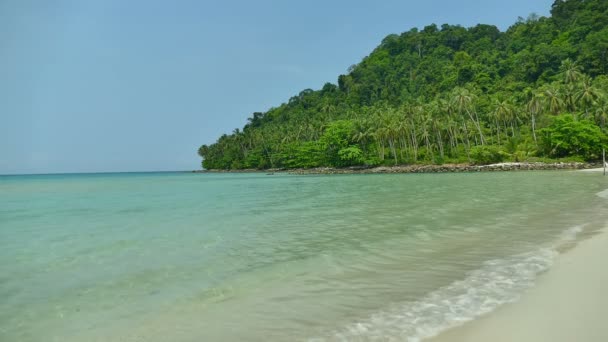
x=233, y=257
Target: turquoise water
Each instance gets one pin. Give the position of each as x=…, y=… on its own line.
x=252, y=257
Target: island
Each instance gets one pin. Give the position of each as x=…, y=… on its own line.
x=443, y=95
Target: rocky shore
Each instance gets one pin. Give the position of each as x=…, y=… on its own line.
x=421, y=168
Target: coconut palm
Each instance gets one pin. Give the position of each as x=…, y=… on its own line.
x=505, y=112
x=570, y=71
x=568, y=95
x=425, y=123
x=534, y=107
x=451, y=124
x=553, y=99
x=601, y=114
x=403, y=131
x=587, y=95
x=463, y=101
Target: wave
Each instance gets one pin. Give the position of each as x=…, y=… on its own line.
x=495, y=283
x=570, y=234
x=603, y=194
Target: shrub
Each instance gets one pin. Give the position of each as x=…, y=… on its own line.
x=351, y=155
x=482, y=155
x=567, y=137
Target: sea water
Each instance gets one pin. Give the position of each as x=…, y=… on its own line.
x=256, y=257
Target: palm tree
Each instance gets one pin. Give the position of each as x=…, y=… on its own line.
x=436, y=124
x=568, y=94
x=425, y=132
x=587, y=95
x=327, y=108
x=570, y=71
x=380, y=136
x=534, y=107
x=463, y=100
x=554, y=102
x=411, y=112
x=361, y=134
x=239, y=138
x=403, y=131
x=601, y=114
x=451, y=124
x=504, y=112
x=392, y=136
x=387, y=121
x=463, y=132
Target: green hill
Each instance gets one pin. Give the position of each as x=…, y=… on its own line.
x=446, y=94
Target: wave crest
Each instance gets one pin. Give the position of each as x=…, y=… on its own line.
x=497, y=282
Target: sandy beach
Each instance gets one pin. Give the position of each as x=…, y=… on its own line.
x=597, y=169
x=569, y=303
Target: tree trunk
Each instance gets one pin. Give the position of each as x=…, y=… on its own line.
x=391, y=143
x=533, y=117
x=477, y=125
x=467, y=146
x=498, y=131
x=440, y=143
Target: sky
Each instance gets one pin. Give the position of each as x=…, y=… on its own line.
x=139, y=85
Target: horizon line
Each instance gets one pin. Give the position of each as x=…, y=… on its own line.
x=89, y=172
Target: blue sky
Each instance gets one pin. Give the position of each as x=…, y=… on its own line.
x=117, y=85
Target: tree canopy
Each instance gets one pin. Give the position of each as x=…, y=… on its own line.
x=446, y=94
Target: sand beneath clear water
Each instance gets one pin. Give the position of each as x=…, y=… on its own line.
x=569, y=303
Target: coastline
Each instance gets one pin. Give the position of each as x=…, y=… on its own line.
x=568, y=303
x=429, y=168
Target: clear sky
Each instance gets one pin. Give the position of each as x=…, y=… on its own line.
x=139, y=85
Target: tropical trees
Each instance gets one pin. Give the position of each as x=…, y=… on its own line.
x=569, y=137
x=463, y=102
x=587, y=95
x=435, y=95
x=535, y=107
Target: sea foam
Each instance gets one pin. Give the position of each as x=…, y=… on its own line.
x=495, y=283
x=603, y=194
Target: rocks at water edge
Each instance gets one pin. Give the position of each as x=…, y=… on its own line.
x=426, y=168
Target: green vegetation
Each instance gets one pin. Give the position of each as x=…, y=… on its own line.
x=446, y=95
x=569, y=137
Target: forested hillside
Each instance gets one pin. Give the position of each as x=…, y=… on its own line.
x=446, y=94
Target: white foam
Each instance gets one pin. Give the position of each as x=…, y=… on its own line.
x=603, y=194
x=497, y=282
x=571, y=233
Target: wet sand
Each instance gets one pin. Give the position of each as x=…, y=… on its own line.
x=569, y=303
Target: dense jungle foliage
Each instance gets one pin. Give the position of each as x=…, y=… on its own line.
x=446, y=94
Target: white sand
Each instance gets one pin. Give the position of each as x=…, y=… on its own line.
x=599, y=169
x=569, y=304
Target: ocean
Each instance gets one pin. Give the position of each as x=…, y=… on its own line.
x=256, y=257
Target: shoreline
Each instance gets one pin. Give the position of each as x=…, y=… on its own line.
x=568, y=303
x=429, y=168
